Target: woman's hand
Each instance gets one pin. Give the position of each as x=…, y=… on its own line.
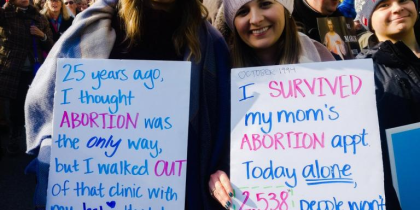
x=36, y=32
x=221, y=189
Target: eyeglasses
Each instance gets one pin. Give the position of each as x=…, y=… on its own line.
x=69, y=2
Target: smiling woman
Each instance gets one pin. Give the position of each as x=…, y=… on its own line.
x=266, y=34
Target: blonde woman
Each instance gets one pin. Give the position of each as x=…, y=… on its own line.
x=58, y=17
x=173, y=30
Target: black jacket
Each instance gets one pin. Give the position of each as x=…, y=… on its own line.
x=306, y=19
x=65, y=24
x=397, y=80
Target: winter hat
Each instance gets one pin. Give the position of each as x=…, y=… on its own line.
x=232, y=6
x=366, y=12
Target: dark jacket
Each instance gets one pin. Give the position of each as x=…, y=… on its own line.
x=65, y=24
x=397, y=80
x=306, y=19
x=17, y=45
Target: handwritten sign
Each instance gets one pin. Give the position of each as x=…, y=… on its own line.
x=306, y=137
x=120, y=135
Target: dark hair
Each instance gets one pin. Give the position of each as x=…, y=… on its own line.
x=193, y=15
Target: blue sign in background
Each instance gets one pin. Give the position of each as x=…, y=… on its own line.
x=407, y=162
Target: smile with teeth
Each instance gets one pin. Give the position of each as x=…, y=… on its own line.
x=259, y=31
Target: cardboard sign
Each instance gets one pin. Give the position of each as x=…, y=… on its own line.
x=306, y=136
x=403, y=146
x=120, y=135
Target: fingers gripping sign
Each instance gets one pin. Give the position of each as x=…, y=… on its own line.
x=220, y=188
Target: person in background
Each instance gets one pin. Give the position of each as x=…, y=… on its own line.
x=39, y=4
x=396, y=56
x=72, y=6
x=347, y=8
x=306, y=13
x=363, y=35
x=79, y=5
x=84, y=5
x=174, y=30
x=264, y=34
x=58, y=17
x=213, y=8
x=24, y=35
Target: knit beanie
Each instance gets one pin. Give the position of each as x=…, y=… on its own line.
x=366, y=12
x=232, y=7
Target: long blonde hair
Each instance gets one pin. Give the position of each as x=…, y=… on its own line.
x=187, y=33
x=63, y=11
x=289, y=47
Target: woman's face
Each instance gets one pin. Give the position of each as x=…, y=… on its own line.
x=54, y=5
x=392, y=19
x=260, y=23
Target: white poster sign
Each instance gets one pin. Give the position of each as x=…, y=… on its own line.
x=306, y=137
x=120, y=135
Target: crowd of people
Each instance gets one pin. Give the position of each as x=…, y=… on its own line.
x=215, y=36
x=29, y=30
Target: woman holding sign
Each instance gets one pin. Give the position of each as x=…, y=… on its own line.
x=173, y=30
x=265, y=33
x=396, y=56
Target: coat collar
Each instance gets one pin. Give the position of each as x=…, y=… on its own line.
x=395, y=55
